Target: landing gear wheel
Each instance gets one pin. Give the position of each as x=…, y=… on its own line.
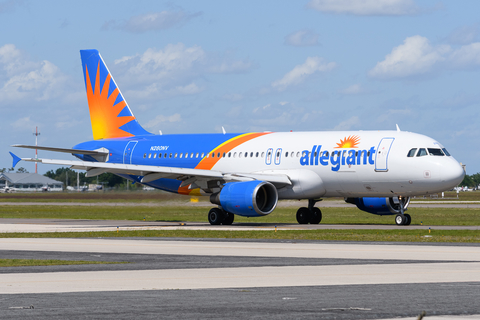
x=303, y=215
x=228, y=220
x=215, y=216
x=400, y=219
x=316, y=216
x=408, y=219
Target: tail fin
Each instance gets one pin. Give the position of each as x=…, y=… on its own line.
x=109, y=112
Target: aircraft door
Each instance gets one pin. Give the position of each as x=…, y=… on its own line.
x=381, y=156
x=278, y=156
x=128, y=152
x=268, y=158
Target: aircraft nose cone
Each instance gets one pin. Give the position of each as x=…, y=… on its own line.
x=453, y=174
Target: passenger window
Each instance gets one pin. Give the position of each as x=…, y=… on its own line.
x=196, y=155
x=412, y=152
x=170, y=155
x=256, y=155
x=298, y=154
x=234, y=154
x=229, y=154
x=446, y=152
x=149, y=155
x=165, y=155
x=435, y=152
x=191, y=155
x=154, y=156
x=203, y=154
x=144, y=155
x=218, y=155
x=176, y=155
x=159, y=155
x=240, y=154
x=421, y=152
x=213, y=154
x=263, y=154
x=181, y=155
x=251, y=154
x=246, y=154
x=224, y=154
x=286, y=154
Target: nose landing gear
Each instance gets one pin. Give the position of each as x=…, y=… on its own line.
x=402, y=219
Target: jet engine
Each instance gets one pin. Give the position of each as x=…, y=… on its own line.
x=380, y=206
x=248, y=199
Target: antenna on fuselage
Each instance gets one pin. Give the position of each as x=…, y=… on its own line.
x=223, y=130
x=160, y=131
x=398, y=128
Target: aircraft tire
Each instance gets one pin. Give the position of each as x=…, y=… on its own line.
x=215, y=216
x=228, y=220
x=400, y=219
x=315, y=216
x=408, y=219
x=303, y=215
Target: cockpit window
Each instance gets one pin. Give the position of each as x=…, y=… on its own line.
x=446, y=152
x=411, y=153
x=435, y=152
x=421, y=152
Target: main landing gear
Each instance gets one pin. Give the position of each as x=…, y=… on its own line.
x=218, y=216
x=311, y=215
x=402, y=219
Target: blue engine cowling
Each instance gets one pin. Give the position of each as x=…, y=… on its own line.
x=248, y=199
x=380, y=206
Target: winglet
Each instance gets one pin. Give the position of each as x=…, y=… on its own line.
x=15, y=159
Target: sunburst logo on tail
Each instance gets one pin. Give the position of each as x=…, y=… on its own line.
x=104, y=113
x=350, y=142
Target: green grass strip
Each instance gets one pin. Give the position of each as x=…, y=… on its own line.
x=49, y=262
x=335, y=235
x=346, y=215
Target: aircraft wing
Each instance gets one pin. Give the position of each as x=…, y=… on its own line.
x=151, y=173
x=64, y=150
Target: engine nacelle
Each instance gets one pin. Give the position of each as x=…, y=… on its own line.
x=380, y=206
x=248, y=199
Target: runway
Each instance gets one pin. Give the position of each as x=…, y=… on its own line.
x=218, y=279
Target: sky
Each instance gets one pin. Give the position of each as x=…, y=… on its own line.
x=198, y=66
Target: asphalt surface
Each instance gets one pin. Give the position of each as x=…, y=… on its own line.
x=177, y=260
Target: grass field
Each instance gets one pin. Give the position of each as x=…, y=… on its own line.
x=188, y=212
x=160, y=196
x=331, y=235
x=50, y=262
x=184, y=211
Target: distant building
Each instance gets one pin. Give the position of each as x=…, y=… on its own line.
x=28, y=182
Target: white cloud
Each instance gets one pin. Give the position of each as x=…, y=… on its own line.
x=353, y=89
x=464, y=35
x=152, y=21
x=348, y=124
x=397, y=114
x=154, y=123
x=466, y=56
x=366, y=7
x=416, y=56
x=24, y=79
x=302, y=38
x=173, y=70
x=303, y=71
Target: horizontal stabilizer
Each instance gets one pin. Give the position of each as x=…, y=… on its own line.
x=64, y=150
x=15, y=159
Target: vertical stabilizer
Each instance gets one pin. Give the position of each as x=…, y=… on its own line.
x=110, y=114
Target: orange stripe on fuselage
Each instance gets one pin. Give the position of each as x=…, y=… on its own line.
x=227, y=146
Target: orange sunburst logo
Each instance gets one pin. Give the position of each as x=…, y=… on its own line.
x=350, y=142
x=103, y=110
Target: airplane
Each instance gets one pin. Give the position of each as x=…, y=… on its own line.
x=246, y=174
